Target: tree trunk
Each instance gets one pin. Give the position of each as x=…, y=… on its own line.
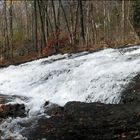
x=6, y=30
x=67, y=24
x=76, y=22
x=82, y=21
x=36, y=26
x=11, y=27
x=42, y=23
x=56, y=27
x=123, y=21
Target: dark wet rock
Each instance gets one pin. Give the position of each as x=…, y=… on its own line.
x=131, y=94
x=52, y=60
x=8, y=98
x=46, y=103
x=55, y=111
x=5, y=99
x=89, y=121
x=49, y=109
x=125, y=49
x=12, y=110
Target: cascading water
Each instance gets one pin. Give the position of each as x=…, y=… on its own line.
x=86, y=77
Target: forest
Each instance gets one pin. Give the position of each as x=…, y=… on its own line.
x=31, y=29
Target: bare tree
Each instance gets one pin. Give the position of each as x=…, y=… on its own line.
x=6, y=33
x=67, y=24
x=35, y=25
x=41, y=13
x=11, y=26
x=82, y=20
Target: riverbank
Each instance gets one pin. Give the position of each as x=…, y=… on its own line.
x=34, y=56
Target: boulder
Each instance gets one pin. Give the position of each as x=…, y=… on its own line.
x=131, y=94
x=88, y=121
x=12, y=110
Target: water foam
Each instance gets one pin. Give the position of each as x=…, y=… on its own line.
x=86, y=77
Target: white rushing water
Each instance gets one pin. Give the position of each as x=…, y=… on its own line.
x=86, y=77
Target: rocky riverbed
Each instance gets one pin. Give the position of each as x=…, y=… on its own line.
x=89, y=121
x=10, y=110
x=83, y=121
x=93, y=121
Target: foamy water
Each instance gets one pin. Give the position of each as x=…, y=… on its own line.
x=86, y=77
